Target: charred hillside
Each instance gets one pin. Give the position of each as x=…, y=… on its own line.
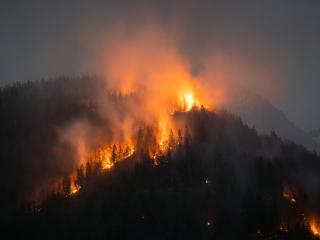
x=217, y=178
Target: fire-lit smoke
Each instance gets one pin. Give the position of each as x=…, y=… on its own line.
x=147, y=62
x=146, y=66
x=146, y=81
x=154, y=78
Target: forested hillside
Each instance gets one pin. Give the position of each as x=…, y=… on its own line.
x=219, y=178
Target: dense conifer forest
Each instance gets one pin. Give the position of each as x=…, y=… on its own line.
x=220, y=179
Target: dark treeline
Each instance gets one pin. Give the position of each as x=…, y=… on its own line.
x=220, y=179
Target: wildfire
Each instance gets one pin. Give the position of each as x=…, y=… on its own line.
x=209, y=223
x=207, y=181
x=155, y=141
x=109, y=155
x=187, y=101
x=106, y=165
x=74, y=188
x=289, y=194
x=314, y=227
x=164, y=134
x=283, y=228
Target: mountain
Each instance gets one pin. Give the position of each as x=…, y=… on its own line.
x=221, y=181
x=218, y=179
x=261, y=114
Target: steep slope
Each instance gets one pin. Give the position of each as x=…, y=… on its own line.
x=218, y=179
x=261, y=114
x=222, y=181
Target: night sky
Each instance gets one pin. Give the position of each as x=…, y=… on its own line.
x=41, y=39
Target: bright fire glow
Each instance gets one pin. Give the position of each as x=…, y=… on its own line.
x=74, y=188
x=315, y=227
x=162, y=139
x=187, y=101
x=106, y=165
x=207, y=181
x=288, y=194
x=209, y=223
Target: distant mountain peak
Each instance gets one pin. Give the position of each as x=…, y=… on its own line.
x=258, y=112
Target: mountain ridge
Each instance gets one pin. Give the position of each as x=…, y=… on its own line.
x=258, y=112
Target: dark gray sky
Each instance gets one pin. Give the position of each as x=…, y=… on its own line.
x=40, y=39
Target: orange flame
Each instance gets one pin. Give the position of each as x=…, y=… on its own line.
x=288, y=193
x=314, y=227
x=187, y=101
x=74, y=188
x=122, y=148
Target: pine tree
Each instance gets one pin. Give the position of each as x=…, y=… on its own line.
x=186, y=140
x=126, y=151
x=180, y=140
x=80, y=176
x=66, y=184
x=120, y=152
x=114, y=154
x=172, y=141
x=89, y=171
